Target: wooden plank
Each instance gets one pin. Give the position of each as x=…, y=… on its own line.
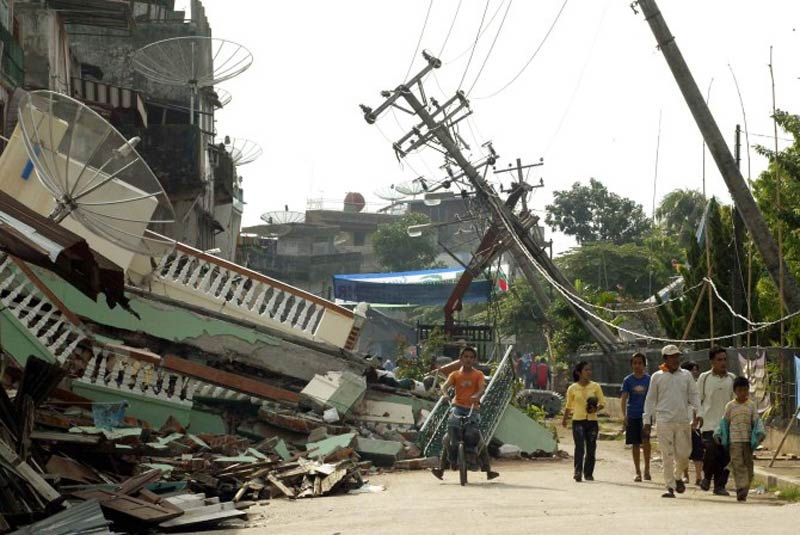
x=67, y=438
x=227, y=379
x=28, y=474
x=280, y=486
x=329, y=482
x=148, y=513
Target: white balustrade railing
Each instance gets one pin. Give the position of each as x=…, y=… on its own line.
x=224, y=286
x=37, y=311
x=131, y=374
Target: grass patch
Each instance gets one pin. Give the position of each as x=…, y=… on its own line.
x=786, y=493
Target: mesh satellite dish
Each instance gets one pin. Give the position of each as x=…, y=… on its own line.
x=388, y=193
x=412, y=188
x=94, y=174
x=224, y=96
x=193, y=62
x=283, y=217
x=243, y=151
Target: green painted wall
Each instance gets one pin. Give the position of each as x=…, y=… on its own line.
x=18, y=342
x=157, y=319
x=155, y=411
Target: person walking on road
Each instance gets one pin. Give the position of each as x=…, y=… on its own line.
x=634, y=391
x=584, y=399
x=698, y=451
x=672, y=392
x=741, y=430
x=716, y=390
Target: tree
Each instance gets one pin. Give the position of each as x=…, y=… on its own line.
x=592, y=213
x=787, y=216
x=397, y=251
x=679, y=214
x=635, y=271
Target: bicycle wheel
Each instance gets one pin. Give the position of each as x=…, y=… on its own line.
x=462, y=464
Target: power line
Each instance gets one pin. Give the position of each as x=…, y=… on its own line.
x=491, y=47
x=491, y=19
x=475, y=44
x=530, y=59
x=419, y=41
x=450, y=30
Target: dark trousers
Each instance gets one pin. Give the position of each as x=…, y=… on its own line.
x=715, y=460
x=448, y=459
x=584, y=433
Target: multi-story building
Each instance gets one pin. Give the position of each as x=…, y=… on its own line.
x=85, y=51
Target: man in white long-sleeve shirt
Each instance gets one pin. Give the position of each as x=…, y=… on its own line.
x=716, y=390
x=672, y=391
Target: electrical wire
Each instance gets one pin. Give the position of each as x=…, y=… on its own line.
x=531, y=58
x=475, y=44
x=463, y=52
x=419, y=41
x=589, y=55
x=450, y=30
x=578, y=302
x=491, y=47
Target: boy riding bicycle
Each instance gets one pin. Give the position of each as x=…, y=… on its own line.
x=469, y=384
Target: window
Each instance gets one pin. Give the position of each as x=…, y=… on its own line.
x=359, y=238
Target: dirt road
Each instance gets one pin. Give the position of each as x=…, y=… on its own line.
x=529, y=497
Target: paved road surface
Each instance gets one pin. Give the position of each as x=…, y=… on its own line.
x=529, y=497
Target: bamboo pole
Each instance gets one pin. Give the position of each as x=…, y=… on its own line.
x=694, y=311
x=782, y=306
x=708, y=285
x=783, y=438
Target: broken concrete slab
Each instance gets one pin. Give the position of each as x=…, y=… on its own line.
x=380, y=452
x=530, y=436
x=317, y=434
x=509, y=451
x=338, y=390
x=323, y=448
x=385, y=412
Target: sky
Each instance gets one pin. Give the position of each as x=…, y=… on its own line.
x=589, y=102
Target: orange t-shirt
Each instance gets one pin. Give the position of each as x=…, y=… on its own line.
x=466, y=385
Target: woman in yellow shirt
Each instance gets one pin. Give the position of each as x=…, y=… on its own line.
x=584, y=399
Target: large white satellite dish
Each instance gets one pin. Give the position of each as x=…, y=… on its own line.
x=93, y=173
x=224, y=96
x=193, y=62
x=388, y=193
x=243, y=151
x=413, y=187
x=283, y=217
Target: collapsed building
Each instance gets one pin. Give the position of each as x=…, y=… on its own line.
x=187, y=346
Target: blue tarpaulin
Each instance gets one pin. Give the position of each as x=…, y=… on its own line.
x=426, y=288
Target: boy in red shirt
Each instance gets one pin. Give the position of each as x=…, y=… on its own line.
x=469, y=384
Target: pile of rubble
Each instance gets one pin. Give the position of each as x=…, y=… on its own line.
x=64, y=460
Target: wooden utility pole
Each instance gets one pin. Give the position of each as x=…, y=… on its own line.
x=438, y=124
x=759, y=231
x=737, y=280
x=521, y=178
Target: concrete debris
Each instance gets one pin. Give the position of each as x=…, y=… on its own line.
x=338, y=390
x=531, y=437
x=509, y=451
x=380, y=452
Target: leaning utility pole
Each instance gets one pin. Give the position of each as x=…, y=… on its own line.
x=434, y=130
x=759, y=231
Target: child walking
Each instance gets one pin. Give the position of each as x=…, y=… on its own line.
x=742, y=429
x=634, y=392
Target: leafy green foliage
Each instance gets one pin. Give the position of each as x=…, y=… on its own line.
x=787, y=216
x=417, y=368
x=632, y=270
x=679, y=214
x=592, y=213
x=535, y=413
x=396, y=251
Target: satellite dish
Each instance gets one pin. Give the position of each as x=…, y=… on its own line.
x=412, y=188
x=93, y=173
x=243, y=151
x=389, y=194
x=224, y=96
x=283, y=217
x=193, y=62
